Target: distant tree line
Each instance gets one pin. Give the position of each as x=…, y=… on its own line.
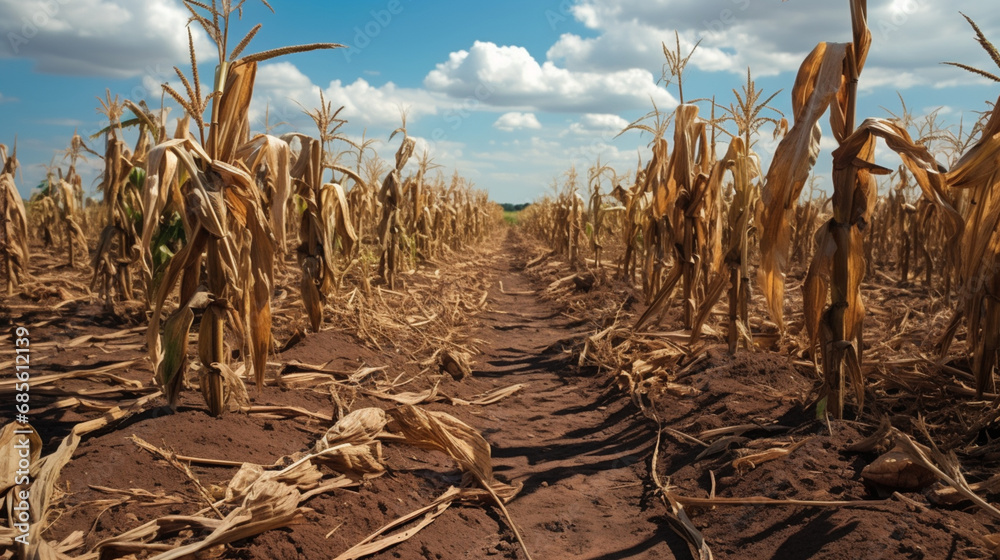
x=508, y=207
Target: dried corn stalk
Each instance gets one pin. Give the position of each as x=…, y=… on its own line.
x=744, y=165
x=979, y=265
x=226, y=219
x=420, y=219
x=13, y=223
x=685, y=205
x=391, y=227
x=325, y=225
x=744, y=168
x=854, y=170
x=635, y=203
x=117, y=247
x=974, y=176
x=57, y=202
x=838, y=266
x=828, y=77
x=597, y=211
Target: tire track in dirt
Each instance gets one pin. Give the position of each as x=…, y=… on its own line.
x=571, y=438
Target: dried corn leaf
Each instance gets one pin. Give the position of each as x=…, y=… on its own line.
x=359, y=427
x=489, y=397
x=948, y=496
x=443, y=432
x=455, y=364
x=268, y=505
x=816, y=86
x=15, y=447
x=269, y=159
x=100, y=373
x=337, y=215
x=356, y=461
x=15, y=224
x=170, y=371
x=407, y=397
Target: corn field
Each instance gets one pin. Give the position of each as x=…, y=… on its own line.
x=261, y=344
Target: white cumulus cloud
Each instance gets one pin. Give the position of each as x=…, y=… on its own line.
x=508, y=76
x=515, y=120
x=286, y=90
x=111, y=38
x=597, y=124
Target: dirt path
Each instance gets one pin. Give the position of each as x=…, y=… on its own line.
x=571, y=438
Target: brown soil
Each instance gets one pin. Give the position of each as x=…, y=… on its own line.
x=580, y=447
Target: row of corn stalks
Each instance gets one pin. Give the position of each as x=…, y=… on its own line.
x=693, y=227
x=193, y=224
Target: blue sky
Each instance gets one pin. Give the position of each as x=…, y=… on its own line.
x=510, y=93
